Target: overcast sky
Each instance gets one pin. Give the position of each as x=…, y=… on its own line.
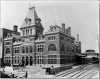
x=82, y=16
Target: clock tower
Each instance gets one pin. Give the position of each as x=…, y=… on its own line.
x=31, y=26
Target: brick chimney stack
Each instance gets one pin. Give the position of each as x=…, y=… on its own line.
x=15, y=28
x=63, y=27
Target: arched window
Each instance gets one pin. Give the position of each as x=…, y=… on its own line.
x=52, y=47
x=7, y=50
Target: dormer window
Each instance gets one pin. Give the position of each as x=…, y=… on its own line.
x=28, y=20
x=38, y=20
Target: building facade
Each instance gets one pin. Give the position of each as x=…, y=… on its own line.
x=1, y=46
x=4, y=33
x=56, y=47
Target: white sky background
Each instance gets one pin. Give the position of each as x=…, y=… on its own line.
x=82, y=16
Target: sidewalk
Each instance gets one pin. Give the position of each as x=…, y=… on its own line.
x=40, y=74
x=36, y=72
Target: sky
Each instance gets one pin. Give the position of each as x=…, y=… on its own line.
x=81, y=15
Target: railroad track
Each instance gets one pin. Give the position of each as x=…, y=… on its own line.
x=67, y=71
x=76, y=73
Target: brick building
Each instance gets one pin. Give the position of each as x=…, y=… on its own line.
x=56, y=47
x=4, y=33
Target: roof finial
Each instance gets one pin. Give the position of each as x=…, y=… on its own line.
x=31, y=5
x=77, y=37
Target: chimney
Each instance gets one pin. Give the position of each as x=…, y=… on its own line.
x=15, y=28
x=68, y=31
x=63, y=27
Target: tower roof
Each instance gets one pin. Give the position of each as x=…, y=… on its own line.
x=30, y=18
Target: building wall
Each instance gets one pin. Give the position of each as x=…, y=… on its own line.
x=52, y=56
x=66, y=49
x=1, y=42
x=8, y=45
x=8, y=51
x=1, y=45
x=55, y=48
x=25, y=53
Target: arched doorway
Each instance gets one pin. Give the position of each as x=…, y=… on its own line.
x=31, y=60
x=27, y=60
x=23, y=61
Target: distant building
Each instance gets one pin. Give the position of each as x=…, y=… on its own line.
x=91, y=53
x=56, y=47
x=91, y=56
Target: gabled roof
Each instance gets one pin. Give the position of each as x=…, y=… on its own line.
x=30, y=18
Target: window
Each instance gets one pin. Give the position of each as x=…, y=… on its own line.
x=52, y=56
x=7, y=43
x=16, y=50
x=62, y=38
x=18, y=59
x=7, y=50
x=51, y=38
x=62, y=47
x=23, y=50
x=23, y=32
x=69, y=48
x=15, y=59
x=40, y=48
x=26, y=49
x=31, y=50
x=52, y=47
x=52, y=59
x=27, y=60
x=31, y=31
x=28, y=31
x=31, y=60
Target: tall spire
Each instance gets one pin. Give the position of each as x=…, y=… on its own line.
x=32, y=11
x=31, y=17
